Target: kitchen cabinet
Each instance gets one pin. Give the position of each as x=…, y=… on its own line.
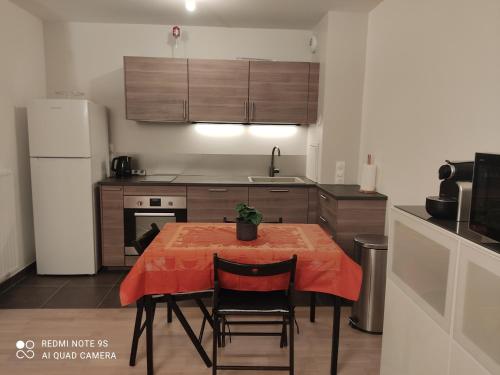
x=278, y=92
x=171, y=191
x=156, y=89
x=290, y=203
x=442, y=305
x=218, y=90
x=210, y=204
x=112, y=228
x=312, y=101
x=346, y=218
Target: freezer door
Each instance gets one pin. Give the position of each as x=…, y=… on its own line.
x=63, y=211
x=59, y=128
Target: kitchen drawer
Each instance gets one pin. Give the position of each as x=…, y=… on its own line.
x=327, y=212
x=211, y=203
x=290, y=203
x=179, y=190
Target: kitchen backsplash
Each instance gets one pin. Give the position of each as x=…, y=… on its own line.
x=218, y=165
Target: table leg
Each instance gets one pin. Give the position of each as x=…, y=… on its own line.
x=312, y=307
x=148, y=305
x=335, y=335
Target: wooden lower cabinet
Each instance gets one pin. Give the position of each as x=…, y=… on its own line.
x=112, y=227
x=344, y=219
x=209, y=204
x=290, y=203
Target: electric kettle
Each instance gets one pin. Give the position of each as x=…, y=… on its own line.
x=121, y=166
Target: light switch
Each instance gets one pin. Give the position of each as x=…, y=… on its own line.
x=340, y=172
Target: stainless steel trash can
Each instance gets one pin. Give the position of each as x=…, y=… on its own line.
x=370, y=251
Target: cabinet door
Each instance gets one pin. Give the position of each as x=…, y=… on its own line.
x=412, y=343
x=278, y=92
x=290, y=203
x=156, y=89
x=312, y=102
x=209, y=204
x=477, y=310
x=218, y=90
x=112, y=230
x=422, y=261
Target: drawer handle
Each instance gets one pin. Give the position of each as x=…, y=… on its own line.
x=279, y=190
x=323, y=219
x=324, y=197
x=108, y=188
x=217, y=190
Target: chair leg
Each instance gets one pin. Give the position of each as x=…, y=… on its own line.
x=137, y=332
x=312, y=308
x=291, y=321
x=148, y=304
x=215, y=344
x=223, y=321
x=169, y=313
x=284, y=339
x=187, y=328
x=205, y=312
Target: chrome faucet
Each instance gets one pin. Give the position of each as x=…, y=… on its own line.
x=272, y=169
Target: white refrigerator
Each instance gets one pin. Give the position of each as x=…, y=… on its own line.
x=69, y=153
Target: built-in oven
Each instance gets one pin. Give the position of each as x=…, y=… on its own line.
x=141, y=211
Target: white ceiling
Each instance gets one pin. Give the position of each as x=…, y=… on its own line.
x=285, y=14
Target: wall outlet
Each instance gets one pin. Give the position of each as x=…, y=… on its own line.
x=340, y=172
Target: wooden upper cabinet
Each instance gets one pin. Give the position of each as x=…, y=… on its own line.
x=278, y=92
x=312, y=102
x=218, y=90
x=156, y=89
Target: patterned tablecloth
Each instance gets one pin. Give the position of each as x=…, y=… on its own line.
x=180, y=259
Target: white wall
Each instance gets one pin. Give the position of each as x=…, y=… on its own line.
x=89, y=57
x=432, y=90
x=341, y=54
x=22, y=77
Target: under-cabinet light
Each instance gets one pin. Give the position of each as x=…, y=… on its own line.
x=273, y=131
x=219, y=130
x=190, y=5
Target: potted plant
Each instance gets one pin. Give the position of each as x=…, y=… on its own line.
x=247, y=221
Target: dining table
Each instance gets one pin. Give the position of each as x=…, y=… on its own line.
x=180, y=260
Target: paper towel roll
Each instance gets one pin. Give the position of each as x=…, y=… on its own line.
x=368, y=178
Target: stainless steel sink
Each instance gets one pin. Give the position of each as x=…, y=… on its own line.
x=283, y=180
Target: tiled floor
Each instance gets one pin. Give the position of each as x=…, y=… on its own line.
x=73, y=292
x=35, y=291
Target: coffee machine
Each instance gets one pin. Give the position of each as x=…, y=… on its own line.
x=121, y=166
x=454, y=199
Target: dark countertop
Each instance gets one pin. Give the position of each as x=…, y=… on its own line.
x=340, y=192
x=459, y=228
x=349, y=192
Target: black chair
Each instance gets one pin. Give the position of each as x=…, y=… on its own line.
x=312, y=301
x=171, y=299
x=228, y=302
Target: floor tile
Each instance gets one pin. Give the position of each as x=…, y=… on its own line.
x=78, y=297
x=36, y=280
x=104, y=278
x=26, y=297
x=112, y=299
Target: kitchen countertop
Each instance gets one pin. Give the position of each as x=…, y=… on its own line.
x=340, y=192
x=459, y=228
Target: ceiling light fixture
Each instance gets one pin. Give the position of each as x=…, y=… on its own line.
x=190, y=5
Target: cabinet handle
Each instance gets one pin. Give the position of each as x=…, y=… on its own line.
x=217, y=190
x=111, y=188
x=279, y=190
x=324, y=197
x=246, y=110
x=184, y=110
x=323, y=219
x=253, y=111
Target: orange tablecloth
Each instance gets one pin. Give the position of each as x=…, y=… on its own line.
x=180, y=259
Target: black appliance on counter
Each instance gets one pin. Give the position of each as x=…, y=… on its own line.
x=485, y=206
x=453, y=201
x=122, y=166
x=141, y=211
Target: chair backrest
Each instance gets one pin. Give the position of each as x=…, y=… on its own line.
x=255, y=270
x=145, y=240
x=279, y=221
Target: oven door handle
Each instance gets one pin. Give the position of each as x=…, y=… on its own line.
x=152, y=214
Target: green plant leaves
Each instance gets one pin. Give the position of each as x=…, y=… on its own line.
x=248, y=214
